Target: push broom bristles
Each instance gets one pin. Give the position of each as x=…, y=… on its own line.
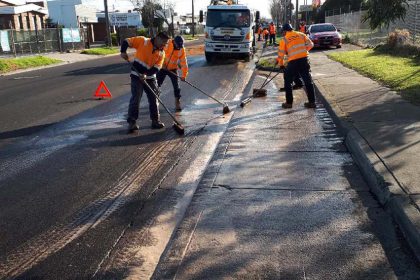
x=226, y=109
x=178, y=128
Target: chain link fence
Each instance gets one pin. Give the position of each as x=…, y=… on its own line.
x=352, y=25
x=19, y=42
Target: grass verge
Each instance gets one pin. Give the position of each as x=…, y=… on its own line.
x=400, y=73
x=101, y=51
x=12, y=64
x=267, y=62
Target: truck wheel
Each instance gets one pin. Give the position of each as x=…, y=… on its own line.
x=247, y=58
x=209, y=57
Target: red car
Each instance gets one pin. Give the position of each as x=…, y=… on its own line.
x=324, y=35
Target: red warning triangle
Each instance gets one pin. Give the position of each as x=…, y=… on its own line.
x=106, y=94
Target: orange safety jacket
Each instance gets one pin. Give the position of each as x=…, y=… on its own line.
x=302, y=29
x=272, y=29
x=174, y=58
x=265, y=32
x=295, y=45
x=147, y=60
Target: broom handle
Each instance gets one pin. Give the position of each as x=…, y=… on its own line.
x=155, y=94
x=197, y=88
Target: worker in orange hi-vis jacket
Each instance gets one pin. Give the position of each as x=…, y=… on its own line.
x=148, y=60
x=296, y=46
x=175, y=56
x=273, y=31
x=259, y=32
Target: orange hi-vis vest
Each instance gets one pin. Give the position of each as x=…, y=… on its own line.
x=302, y=29
x=265, y=32
x=174, y=57
x=295, y=45
x=272, y=29
x=146, y=56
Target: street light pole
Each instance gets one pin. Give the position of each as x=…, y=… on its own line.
x=297, y=14
x=108, y=33
x=193, y=22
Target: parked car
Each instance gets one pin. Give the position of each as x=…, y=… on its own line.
x=325, y=35
x=184, y=29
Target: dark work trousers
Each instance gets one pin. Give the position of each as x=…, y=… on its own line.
x=137, y=88
x=272, y=39
x=161, y=75
x=259, y=37
x=298, y=81
x=295, y=68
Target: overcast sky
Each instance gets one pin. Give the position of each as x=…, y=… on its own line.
x=184, y=6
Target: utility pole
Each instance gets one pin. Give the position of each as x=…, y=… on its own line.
x=108, y=32
x=193, y=21
x=297, y=14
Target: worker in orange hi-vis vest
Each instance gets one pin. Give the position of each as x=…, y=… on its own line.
x=296, y=45
x=148, y=60
x=273, y=31
x=259, y=32
x=175, y=55
x=302, y=27
x=266, y=35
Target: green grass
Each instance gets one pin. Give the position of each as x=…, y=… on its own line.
x=101, y=51
x=400, y=73
x=267, y=62
x=189, y=37
x=12, y=64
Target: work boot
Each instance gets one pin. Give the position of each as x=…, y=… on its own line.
x=178, y=104
x=157, y=124
x=286, y=105
x=309, y=105
x=132, y=126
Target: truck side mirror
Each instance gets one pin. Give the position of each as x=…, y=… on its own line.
x=201, y=16
x=257, y=17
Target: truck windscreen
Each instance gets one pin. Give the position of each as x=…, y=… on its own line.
x=231, y=18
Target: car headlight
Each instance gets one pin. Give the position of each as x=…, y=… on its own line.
x=212, y=32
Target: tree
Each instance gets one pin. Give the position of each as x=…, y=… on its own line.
x=152, y=13
x=382, y=12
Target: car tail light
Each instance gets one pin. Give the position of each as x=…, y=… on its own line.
x=248, y=36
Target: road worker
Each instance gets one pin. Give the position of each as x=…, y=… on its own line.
x=259, y=32
x=272, y=30
x=175, y=56
x=296, y=46
x=302, y=27
x=266, y=34
x=148, y=61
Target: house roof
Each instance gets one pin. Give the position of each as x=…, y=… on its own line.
x=15, y=10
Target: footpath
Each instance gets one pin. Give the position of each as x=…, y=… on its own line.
x=382, y=132
x=284, y=196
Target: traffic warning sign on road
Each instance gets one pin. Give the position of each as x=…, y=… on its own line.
x=99, y=91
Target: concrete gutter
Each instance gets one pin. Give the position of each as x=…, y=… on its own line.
x=387, y=191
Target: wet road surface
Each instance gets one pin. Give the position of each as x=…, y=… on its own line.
x=72, y=182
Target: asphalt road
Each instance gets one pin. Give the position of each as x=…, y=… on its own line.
x=72, y=181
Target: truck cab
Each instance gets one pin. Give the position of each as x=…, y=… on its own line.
x=229, y=31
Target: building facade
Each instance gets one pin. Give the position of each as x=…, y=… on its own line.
x=23, y=15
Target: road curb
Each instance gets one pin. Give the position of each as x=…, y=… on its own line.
x=387, y=191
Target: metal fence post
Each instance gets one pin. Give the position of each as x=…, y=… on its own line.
x=415, y=23
x=13, y=42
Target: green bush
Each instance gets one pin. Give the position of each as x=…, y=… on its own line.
x=115, y=39
x=142, y=32
x=346, y=39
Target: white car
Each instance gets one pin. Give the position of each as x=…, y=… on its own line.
x=184, y=29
